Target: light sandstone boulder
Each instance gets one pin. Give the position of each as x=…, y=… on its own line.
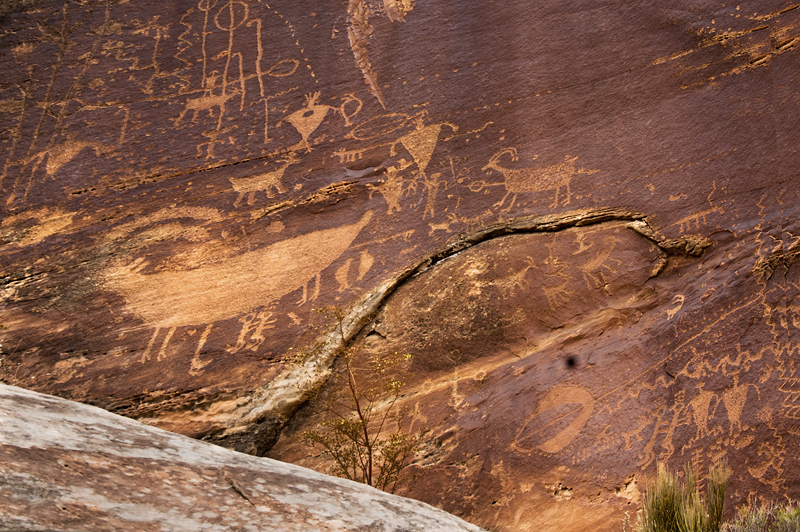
x=66, y=466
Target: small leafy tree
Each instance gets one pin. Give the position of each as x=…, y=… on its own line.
x=359, y=411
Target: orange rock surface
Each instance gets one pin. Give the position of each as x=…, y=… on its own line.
x=579, y=218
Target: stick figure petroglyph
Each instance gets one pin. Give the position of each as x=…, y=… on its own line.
x=394, y=186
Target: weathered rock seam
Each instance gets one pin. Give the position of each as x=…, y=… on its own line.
x=257, y=424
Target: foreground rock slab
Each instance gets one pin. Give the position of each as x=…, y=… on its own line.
x=66, y=466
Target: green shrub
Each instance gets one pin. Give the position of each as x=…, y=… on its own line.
x=767, y=518
x=672, y=505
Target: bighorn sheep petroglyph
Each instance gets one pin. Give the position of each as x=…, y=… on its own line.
x=519, y=180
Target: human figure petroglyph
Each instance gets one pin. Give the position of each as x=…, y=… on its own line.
x=734, y=399
x=266, y=182
x=259, y=54
x=657, y=418
x=214, y=138
x=233, y=17
x=701, y=405
x=253, y=324
x=525, y=180
x=421, y=144
x=394, y=186
x=309, y=118
x=160, y=32
x=432, y=184
x=277, y=70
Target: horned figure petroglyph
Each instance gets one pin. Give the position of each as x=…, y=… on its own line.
x=394, y=186
x=266, y=182
x=307, y=119
x=520, y=180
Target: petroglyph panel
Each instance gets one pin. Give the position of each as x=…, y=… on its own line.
x=180, y=185
x=503, y=327
x=512, y=291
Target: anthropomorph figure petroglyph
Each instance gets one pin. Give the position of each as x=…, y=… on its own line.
x=421, y=144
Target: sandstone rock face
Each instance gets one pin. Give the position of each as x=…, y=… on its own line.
x=69, y=466
x=579, y=218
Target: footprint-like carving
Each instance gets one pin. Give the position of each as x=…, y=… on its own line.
x=560, y=396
